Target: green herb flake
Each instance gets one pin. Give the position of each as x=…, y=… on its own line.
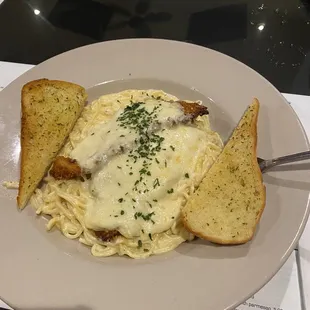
x=156, y=183
x=145, y=217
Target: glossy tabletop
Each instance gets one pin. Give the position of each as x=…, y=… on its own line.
x=272, y=37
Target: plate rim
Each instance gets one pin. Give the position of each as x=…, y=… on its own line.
x=306, y=215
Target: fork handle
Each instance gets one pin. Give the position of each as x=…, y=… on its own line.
x=269, y=163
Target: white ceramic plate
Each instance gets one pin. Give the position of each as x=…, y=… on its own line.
x=45, y=270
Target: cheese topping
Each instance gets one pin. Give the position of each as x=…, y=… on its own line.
x=134, y=193
x=124, y=130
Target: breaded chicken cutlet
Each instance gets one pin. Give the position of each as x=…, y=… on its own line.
x=65, y=168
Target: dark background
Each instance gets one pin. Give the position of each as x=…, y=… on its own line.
x=272, y=37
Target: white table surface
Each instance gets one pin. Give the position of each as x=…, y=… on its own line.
x=290, y=288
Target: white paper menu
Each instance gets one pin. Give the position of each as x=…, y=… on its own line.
x=281, y=293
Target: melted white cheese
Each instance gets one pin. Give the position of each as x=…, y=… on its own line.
x=110, y=138
x=153, y=205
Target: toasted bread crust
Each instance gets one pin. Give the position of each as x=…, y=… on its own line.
x=222, y=239
x=107, y=235
x=40, y=103
x=65, y=169
x=193, y=108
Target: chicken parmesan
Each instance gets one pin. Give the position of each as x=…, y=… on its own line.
x=128, y=168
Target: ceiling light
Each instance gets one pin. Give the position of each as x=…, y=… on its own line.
x=261, y=27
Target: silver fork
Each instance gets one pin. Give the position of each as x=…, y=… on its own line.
x=266, y=164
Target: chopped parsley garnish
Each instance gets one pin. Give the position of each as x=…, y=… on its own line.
x=155, y=200
x=119, y=167
x=121, y=200
x=143, y=171
x=145, y=217
x=137, y=118
x=187, y=175
x=122, y=136
x=139, y=244
x=150, y=236
x=119, y=184
x=122, y=212
x=172, y=148
x=156, y=183
x=170, y=191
